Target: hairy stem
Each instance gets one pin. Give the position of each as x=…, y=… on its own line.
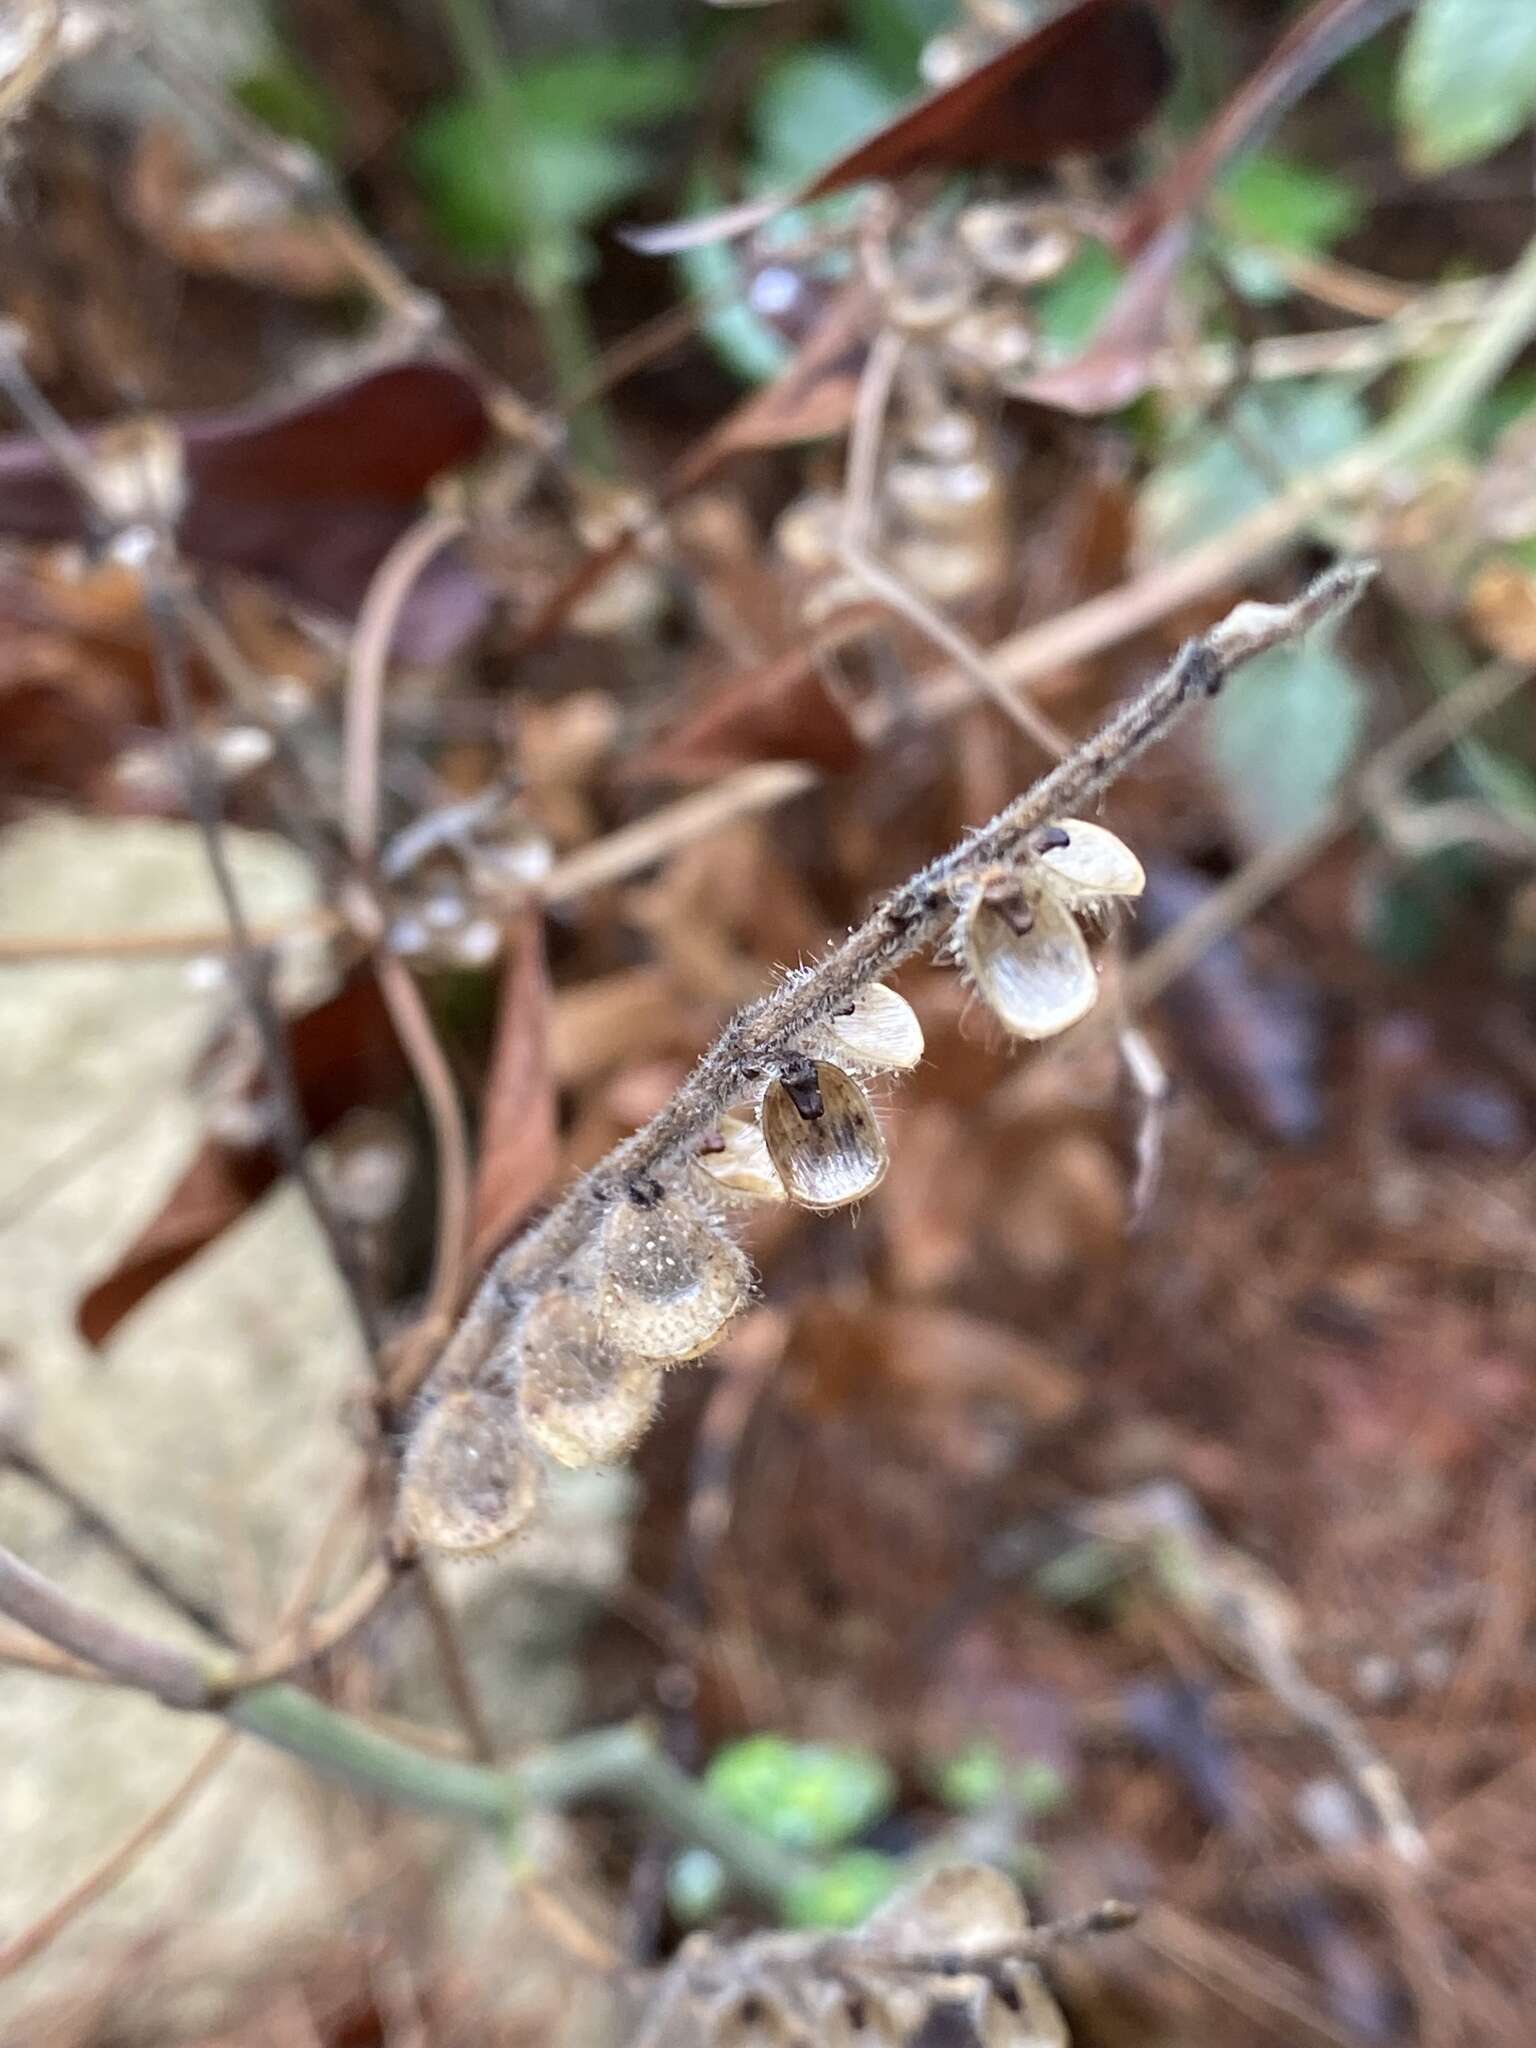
x=912, y=919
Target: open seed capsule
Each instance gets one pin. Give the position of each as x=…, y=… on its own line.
x=823, y=1137
x=585, y=1399
x=1029, y=961
x=735, y=1158
x=878, y=1033
x=1092, y=863
x=1023, y=245
x=670, y=1283
x=470, y=1481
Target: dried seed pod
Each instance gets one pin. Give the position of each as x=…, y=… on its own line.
x=947, y=571
x=1021, y=245
x=1090, y=863
x=931, y=288
x=1029, y=961
x=670, y=1283
x=1019, y=2011
x=991, y=342
x=470, y=1481
x=945, y=435
x=959, y=1909
x=823, y=1137
x=806, y=533
x=736, y=1159
x=944, y=497
x=585, y=1399
x=877, y=1033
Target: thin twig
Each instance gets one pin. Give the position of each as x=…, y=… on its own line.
x=367, y=665
x=91, y=1522
x=118, y=1861
x=883, y=583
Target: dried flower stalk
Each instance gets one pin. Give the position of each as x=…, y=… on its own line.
x=773, y=1049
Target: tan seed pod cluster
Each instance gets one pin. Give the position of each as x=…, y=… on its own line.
x=1019, y=933
x=585, y=1399
x=671, y=1283
x=470, y=1481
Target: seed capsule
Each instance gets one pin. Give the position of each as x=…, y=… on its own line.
x=823, y=1137
x=671, y=1284
x=470, y=1481
x=736, y=1159
x=1092, y=864
x=1020, y=245
x=1029, y=961
x=878, y=1033
x=585, y=1399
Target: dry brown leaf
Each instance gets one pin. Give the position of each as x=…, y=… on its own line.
x=520, y=1135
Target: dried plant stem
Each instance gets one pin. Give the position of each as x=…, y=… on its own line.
x=621, y=1765
x=912, y=919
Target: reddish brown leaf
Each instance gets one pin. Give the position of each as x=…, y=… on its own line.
x=307, y=494
x=344, y=1056
x=1154, y=230
x=781, y=710
x=520, y=1135
x=1083, y=82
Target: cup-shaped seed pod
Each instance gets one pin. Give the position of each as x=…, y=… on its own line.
x=1018, y=2010
x=932, y=287
x=585, y=1399
x=1029, y=961
x=944, y=497
x=670, y=1283
x=1086, y=863
x=735, y=1158
x=877, y=1033
x=948, y=571
x=991, y=343
x=1021, y=245
x=823, y=1137
x=470, y=1480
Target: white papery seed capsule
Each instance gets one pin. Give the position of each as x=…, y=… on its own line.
x=823, y=1137
x=1029, y=961
x=735, y=1158
x=1022, y=245
x=877, y=1033
x=1088, y=863
x=586, y=1400
x=670, y=1283
x=469, y=1481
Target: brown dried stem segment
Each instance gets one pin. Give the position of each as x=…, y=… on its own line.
x=820, y=1137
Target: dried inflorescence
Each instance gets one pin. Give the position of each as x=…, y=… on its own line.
x=949, y=1959
x=561, y=1357
x=662, y=1278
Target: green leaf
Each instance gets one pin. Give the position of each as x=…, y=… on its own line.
x=891, y=34
x=1071, y=306
x=538, y=160
x=1217, y=477
x=1290, y=205
x=845, y=1891
x=1282, y=736
x=696, y=1886
x=287, y=97
x=803, y=1795
x=811, y=106
x=1282, y=205
x=982, y=1777
x=1467, y=80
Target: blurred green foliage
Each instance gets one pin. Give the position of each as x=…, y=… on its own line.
x=1467, y=81
x=803, y=1795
